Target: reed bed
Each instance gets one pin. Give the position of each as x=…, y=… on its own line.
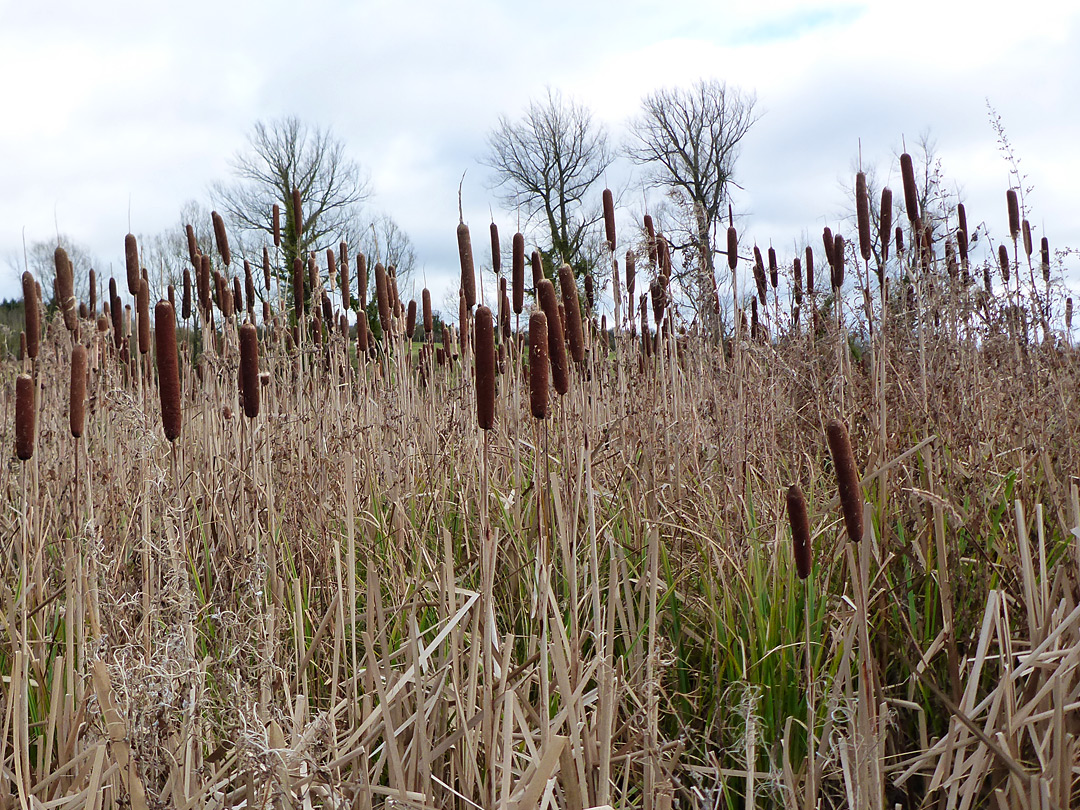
x=832, y=562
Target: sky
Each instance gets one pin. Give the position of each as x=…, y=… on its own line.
x=117, y=113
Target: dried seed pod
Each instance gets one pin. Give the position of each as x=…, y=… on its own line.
x=549, y=303
x=275, y=216
x=962, y=246
x=800, y=530
x=221, y=239
x=774, y=272
x=911, y=192
x=517, y=273
x=65, y=288
x=847, y=478
x=142, y=305
x=131, y=261
x=31, y=316
x=345, y=285
x=1068, y=312
x=537, y=270
x=468, y=272
x=266, y=268
x=829, y=242
x=77, y=391
x=203, y=287
x=410, y=321
x=839, y=250
x=485, y=368
x=249, y=289
x=237, y=296
x=862, y=212
x=25, y=417
x=505, y=324
x=361, y=334
x=192, y=246
x=885, y=222
x=809, y=270
x=796, y=267
x=538, y=365
x=1003, y=262
x=186, y=304
x=663, y=254
x=590, y=291
x=168, y=368
x=1025, y=228
x=759, y=277
x=362, y=279
x=1014, y=212
x=1044, y=258
x=249, y=369
x=609, y=218
x=425, y=299
x=327, y=311
x=732, y=248
x=631, y=277
x=117, y=314
x=496, y=250
x=572, y=308
x=899, y=240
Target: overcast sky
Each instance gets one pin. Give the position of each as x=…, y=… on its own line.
x=116, y=113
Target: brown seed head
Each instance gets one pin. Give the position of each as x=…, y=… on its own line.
x=1014, y=212
x=732, y=248
x=465, y=257
x=862, y=210
x=809, y=270
x=266, y=268
x=192, y=246
x=382, y=297
x=1025, y=228
x=131, y=260
x=572, y=307
x=77, y=398
x=142, y=306
x=800, y=530
x=549, y=303
x=361, y=334
x=65, y=288
x=631, y=277
x=31, y=315
x=496, y=250
x=203, y=286
x=410, y=321
x=237, y=295
x=885, y=222
x=186, y=304
x=839, y=251
x=609, y=218
x=1003, y=262
x=774, y=271
x=25, y=417
x=1044, y=254
x=485, y=369
x=249, y=369
x=847, y=478
x=298, y=288
x=249, y=288
x=425, y=299
x=538, y=365
x=537, y=269
x=168, y=368
x=911, y=192
x=829, y=243
x=517, y=273
x=298, y=213
x=221, y=238
x=362, y=279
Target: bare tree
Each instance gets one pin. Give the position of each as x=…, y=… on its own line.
x=40, y=260
x=546, y=163
x=286, y=154
x=384, y=241
x=690, y=139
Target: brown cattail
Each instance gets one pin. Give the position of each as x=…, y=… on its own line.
x=192, y=246
x=572, y=307
x=410, y=321
x=839, y=250
x=425, y=299
x=468, y=273
x=84, y=311
x=314, y=281
x=663, y=255
x=899, y=240
x=496, y=250
x=203, y=286
x=266, y=268
x=382, y=296
x=759, y=276
x=800, y=530
x=1003, y=261
x=549, y=303
x=1068, y=312
x=1014, y=212
x=643, y=306
x=1025, y=228
x=847, y=478
x=345, y=286
x=298, y=288
x=911, y=192
x=327, y=311
x=609, y=219
x=298, y=213
x=22, y=346
x=275, y=216
x=774, y=272
x=361, y=333
x=186, y=301
x=221, y=238
x=885, y=222
x=631, y=278
x=362, y=279
x=142, y=304
x=238, y=295
x=25, y=417
x=168, y=368
x=266, y=311
x=93, y=293
x=77, y=399
x=1044, y=258
x=590, y=291
x=809, y=270
x=249, y=369
x=517, y=273
x=537, y=270
x=538, y=364
x=31, y=316
x=732, y=248
x=485, y=369
x=505, y=324
x=65, y=288
x=463, y=321
x=117, y=314
x=829, y=242
x=962, y=245
x=131, y=260
x=796, y=267
x=862, y=211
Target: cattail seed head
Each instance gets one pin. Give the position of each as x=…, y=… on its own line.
x=838, y=262
x=93, y=293
x=221, y=239
x=732, y=248
x=800, y=530
x=962, y=245
x=65, y=288
x=505, y=324
x=275, y=216
x=572, y=307
x=410, y=320
x=829, y=242
x=116, y=312
x=22, y=346
x=345, y=285
x=885, y=222
x=186, y=304
x=25, y=417
x=590, y=291
x=911, y=192
x=809, y=270
x=631, y=277
x=549, y=303
x=31, y=316
x=142, y=305
x=537, y=269
x=361, y=334
x=538, y=365
x=266, y=268
x=1014, y=212
x=485, y=369
x=192, y=246
x=609, y=218
x=759, y=276
x=517, y=273
x=237, y=295
x=298, y=213
x=899, y=240
x=496, y=250
x=77, y=398
x=468, y=272
x=362, y=279
x=796, y=267
x=426, y=301
x=203, y=286
x=1044, y=258
x=1068, y=312
x=249, y=289
x=327, y=311
x=774, y=272
x=1025, y=228
x=847, y=478
x=131, y=261
x=249, y=369
x=168, y=368
x=1003, y=262
x=862, y=210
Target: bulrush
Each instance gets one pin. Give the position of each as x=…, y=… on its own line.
x=911, y=192
x=549, y=303
x=344, y=285
x=847, y=478
x=631, y=278
x=496, y=250
x=1014, y=212
x=382, y=297
x=142, y=307
x=485, y=368
x=517, y=273
x=116, y=311
x=1025, y=228
x=774, y=271
x=361, y=279
x=131, y=261
x=759, y=276
x=885, y=222
x=800, y=530
x=266, y=268
x=537, y=269
x=168, y=368
x=31, y=316
x=77, y=391
x=809, y=270
x=186, y=302
x=249, y=289
x=828, y=241
x=732, y=248
x=410, y=320
x=796, y=268
x=572, y=307
x=429, y=325
x=862, y=212
x=468, y=272
x=1044, y=258
x=538, y=365
x=25, y=417
x=1068, y=313
x=65, y=288
x=275, y=216
x=249, y=369
x=590, y=291
x=361, y=334
x=298, y=288
x=839, y=249
x=1003, y=262
x=609, y=219
x=221, y=239
x=93, y=293
x=203, y=287
x=237, y=295
x=505, y=324
x=192, y=246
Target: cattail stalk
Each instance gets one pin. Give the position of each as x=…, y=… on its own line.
x=428, y=322
x=911, y=192
x=142, y=302
x=65, y=288
x=1014, y=212
x=862, y=210
x=468, y=272
x=800, y=530
x=609, y=218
